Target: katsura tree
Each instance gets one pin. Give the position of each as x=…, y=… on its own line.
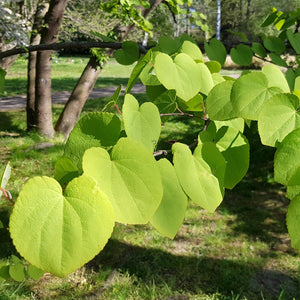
x=113, y=171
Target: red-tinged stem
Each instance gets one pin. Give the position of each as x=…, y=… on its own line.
x=117, y=107
x=7, y=196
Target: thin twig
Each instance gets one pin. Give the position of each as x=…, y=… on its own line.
x=181, y=114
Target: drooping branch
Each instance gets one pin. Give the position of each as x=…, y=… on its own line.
x=68, y=45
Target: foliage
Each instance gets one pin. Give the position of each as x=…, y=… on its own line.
x=110, y=171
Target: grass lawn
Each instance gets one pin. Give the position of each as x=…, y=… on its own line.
x=242, y=251
x=65, y=73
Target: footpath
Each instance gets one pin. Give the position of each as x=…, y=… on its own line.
x=19, y=102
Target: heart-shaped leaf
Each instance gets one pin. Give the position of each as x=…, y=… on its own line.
x=278, y=117
x=59, y=233
x=242, y=55
x=196, y=178
x=128, y=54
x=192, y=50
x=287, y=158
x=259, y=49
x=218, y=104
x=183, y=74
x=275, y=78
x=236, y=150
x=274, y=44
x=294, y=39
x=168, y=45
x=143, y=123
x=248, y=94
x=93, y=130
x=129, y=177
x=215, y=50
x=171, y=211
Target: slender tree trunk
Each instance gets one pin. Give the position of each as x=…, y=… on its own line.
x=41, y=11
x=73, y=108
x=43, y=102
x=6, y=62
x=218, y=25
x=80, y=94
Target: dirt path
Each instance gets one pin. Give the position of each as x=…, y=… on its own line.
x=19, y=102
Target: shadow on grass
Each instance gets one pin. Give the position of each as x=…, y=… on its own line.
x=258, y=202
x=195, y=275
x=7, y=124
x=17, y=86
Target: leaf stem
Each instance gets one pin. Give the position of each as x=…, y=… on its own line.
x=7, y=195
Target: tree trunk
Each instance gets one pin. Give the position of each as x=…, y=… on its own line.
x=41, y=11
x=80, y=94
x=218, y=24
x=72, y=109
x=43, y=102
x=6, y=62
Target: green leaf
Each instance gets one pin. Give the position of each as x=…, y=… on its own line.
x=237, y=123
x=248, y=94
x=274, y=44
x=138, y=68
x=218, y=104
x=60, y=233
x=242, y=55
x=287, y=157
x=65, y=171
x=183, y=74
x=259, y=49
x=206, y=80
x=290, y=78
x=147, y=75
x=236, y=150
x=4, y=272
x=194, y=104
x=215, y=50
x=218, y=78
x=278, y=117
x=5, y=177
x=276, y=59
x=293, y=185
x=294, y=39
x=154, y=91
x=196, y=178
x=130, y=177
x=129, y=53
x=213, y=66
x=168, y=45
x=142, y=123
x=293, y=222
x=34, y=272
x=166, y=102
x=103, y=37
x=17, y=272
x=192, y=50
x=270, y=19
x=171, y=211
x=93, y=130
x=275, y=78
x=2, y=79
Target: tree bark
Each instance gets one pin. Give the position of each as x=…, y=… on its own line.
x=41, y=11
x=6, y=62
x=73, y=108
x=80, y=94
x=43, y=102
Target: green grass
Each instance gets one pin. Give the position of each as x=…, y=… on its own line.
x=65, y=73
x=242, y=251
